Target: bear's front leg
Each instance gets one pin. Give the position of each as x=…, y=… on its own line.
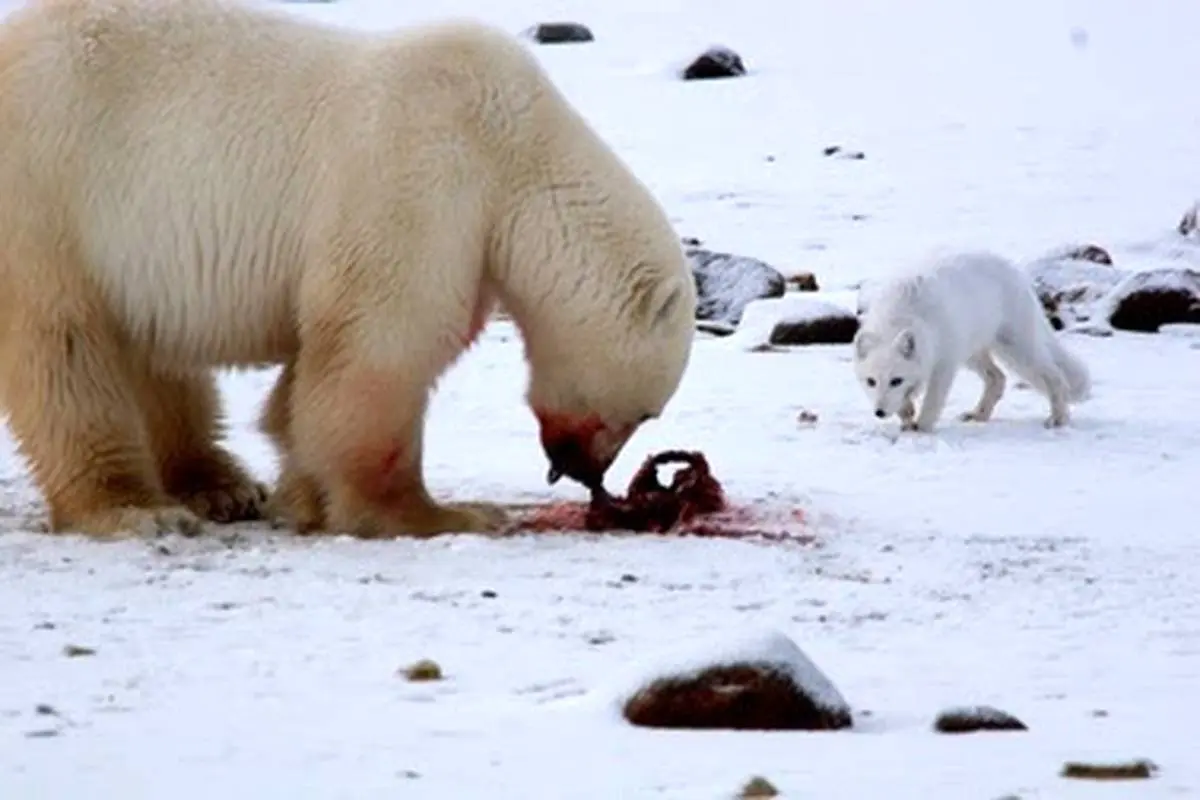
x=74, y=410
x=298, y=500
x=183, y=418
x=361, y=432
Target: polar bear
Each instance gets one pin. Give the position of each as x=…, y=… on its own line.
x=194, y=184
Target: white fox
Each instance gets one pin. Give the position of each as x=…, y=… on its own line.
x=920, y=326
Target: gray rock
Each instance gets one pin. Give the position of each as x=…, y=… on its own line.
x=725, y=283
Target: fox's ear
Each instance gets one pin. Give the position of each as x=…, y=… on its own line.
x=863, y=342
x=906, y=344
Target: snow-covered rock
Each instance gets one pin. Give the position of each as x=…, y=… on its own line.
x=725, y=283
x=1149, y=299
x=797, y=318
x=756, y=681
x=1071, y=281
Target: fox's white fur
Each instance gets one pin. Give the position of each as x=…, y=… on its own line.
x=919, y=327
x=189, y=184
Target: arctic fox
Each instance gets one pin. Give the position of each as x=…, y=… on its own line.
x=920, y=326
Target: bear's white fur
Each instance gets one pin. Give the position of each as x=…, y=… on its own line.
x=190, y=184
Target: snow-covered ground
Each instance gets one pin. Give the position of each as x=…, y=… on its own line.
x=1053, y=574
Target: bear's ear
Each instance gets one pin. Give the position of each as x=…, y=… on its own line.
x=906, y=344
x=655, y=302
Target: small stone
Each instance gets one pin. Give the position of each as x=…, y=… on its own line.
x=806, y=417
x=488, y=594
x=559, y=33
x=715, y=62
x=837, y=151
x=1140, y=769
x=629, y=578
x=971, y=719
x=77, y=651
x=758, y=786
x=423, y=670
x=45, y=710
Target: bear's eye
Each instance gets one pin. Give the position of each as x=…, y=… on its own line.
x=871, y=382
x=894, y=382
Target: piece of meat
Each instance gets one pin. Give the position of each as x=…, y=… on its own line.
x=648, y=505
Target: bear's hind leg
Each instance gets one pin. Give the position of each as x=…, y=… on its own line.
x=183, y=417
x=74, y=412
x=361, y=431
x=298, y=499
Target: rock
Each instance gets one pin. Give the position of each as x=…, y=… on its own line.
x=1071, y=282
x=820, y=323
x=803, y=282
x=725, y=283
x=423, y=670
x=758, y=786
x=971, y=719
x=715, y=62
x=1147, y=300
x=1130, y=770
x=559, y=33
x=762, y=682
x=1189, y=224
x=794, y=319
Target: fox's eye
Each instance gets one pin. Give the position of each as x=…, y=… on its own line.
x=895, y=382
x=871, y=382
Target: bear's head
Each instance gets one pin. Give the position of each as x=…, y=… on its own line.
x=592, y=388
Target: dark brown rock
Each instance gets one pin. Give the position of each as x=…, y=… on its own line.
x=715, y=62
x=1146, y=301
x=820, y=323
x=772, y=687
x=560, y=33
x=1140, y=769
x=971, y=719
x=803, y=282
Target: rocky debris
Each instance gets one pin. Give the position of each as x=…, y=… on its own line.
x=715, y=62
x=1145, y=301
x=972, y=719
x=803, y=282
x=793, y=320
x=763, y=682
x=758, y=786
x=837, y=151
x=423, y=670
x=559, y=33
x=1070, y=283
x=725, y=283
x=1139, y=769
x=1189, y=224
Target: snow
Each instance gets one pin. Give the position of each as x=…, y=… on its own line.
x=1052, y=574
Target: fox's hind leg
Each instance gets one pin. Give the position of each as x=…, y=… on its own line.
x=994, y=383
